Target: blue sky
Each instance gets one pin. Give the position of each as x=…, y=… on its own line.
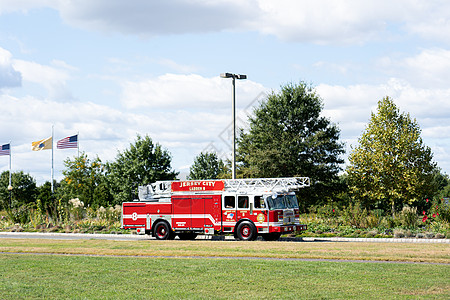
x=112, y=69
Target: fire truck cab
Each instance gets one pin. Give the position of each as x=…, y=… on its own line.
x=246, y=208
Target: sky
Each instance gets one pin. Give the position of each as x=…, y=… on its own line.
x=110, y=70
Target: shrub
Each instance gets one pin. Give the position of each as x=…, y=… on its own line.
x=372, y=220
x=20, y=214
x=439, y=236
x=409, y=234
x=399, y=234
x=387, y=222
x=429, y=235
x=326, y=211
x=355, y=215
x=440, y=210
x=408, y=217
x=371, y=233
x=76, y=208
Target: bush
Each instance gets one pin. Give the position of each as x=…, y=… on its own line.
x=371, y=233
x=326, y=211
x=439, y=236
x=20, y=214
x=372, y=220
x=409, y=234
x=399, y=234
x=354, y=215
x=440, y=209
x=388, y=222
x=429, y=235
x=408, y=217
x=76, y=208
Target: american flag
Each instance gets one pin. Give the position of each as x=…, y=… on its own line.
x=5, y=149
x=68, y=142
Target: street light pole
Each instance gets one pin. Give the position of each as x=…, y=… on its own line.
x=233, y=108
x=10, y=195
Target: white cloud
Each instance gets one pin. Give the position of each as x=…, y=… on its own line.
x=9, y=76
x=53, y=79
x=103, y=130
x=429, y=68
x=150, y=18
x=186, y=92
x=352, y=21
x=351, y=106
x=320, y=21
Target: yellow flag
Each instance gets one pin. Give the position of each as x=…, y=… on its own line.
x=42, y=144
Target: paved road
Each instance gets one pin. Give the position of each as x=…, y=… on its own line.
x=131, y=237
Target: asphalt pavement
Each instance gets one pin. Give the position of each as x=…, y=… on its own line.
x=133, y=237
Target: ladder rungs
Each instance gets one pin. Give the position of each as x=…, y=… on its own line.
x=287, y=184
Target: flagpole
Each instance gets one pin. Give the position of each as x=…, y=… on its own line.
x=52, y=160
x=78, y=144
x=9, y=164
x=10, y=186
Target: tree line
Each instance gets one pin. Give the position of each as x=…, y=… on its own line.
x=389, y=168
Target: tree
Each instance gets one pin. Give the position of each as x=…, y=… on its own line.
x=23, y=192
x=207, y=166
x=288, y=137
x=143, y=163
x=82, y=177
x=391, y=166
x=47, y=198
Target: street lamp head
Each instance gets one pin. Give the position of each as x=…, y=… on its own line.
x=226, y=75
x=231, y=75
x=10, y=187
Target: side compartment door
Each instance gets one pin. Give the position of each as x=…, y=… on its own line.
x=181, y=218
x=134, y=214
x=213, y=211
x=198, y=211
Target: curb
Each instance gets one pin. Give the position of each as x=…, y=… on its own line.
x=376, y=240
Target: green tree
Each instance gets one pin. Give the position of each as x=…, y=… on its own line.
x=207, y=166
x=143, y=163
x=289, y=137
x=442, y=184
x=391, y=166
x=23, y=192
x=82, y=177
x=47, y=198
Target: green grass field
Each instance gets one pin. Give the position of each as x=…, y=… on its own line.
x=31, y=276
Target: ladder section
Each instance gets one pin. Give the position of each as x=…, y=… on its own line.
x=163, y=189
x=288, y=184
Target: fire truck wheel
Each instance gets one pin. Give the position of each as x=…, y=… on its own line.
x=246, y=231
x=187, y=236
x=271, y=236
x=163, y=231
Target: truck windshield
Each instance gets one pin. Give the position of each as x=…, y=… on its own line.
x=282, y=202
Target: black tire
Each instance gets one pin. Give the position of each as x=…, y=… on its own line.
x=162, y=231
x=271, y=236
x=187, y=236
x=246, y=231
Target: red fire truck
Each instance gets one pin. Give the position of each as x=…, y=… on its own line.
x=247, y=208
